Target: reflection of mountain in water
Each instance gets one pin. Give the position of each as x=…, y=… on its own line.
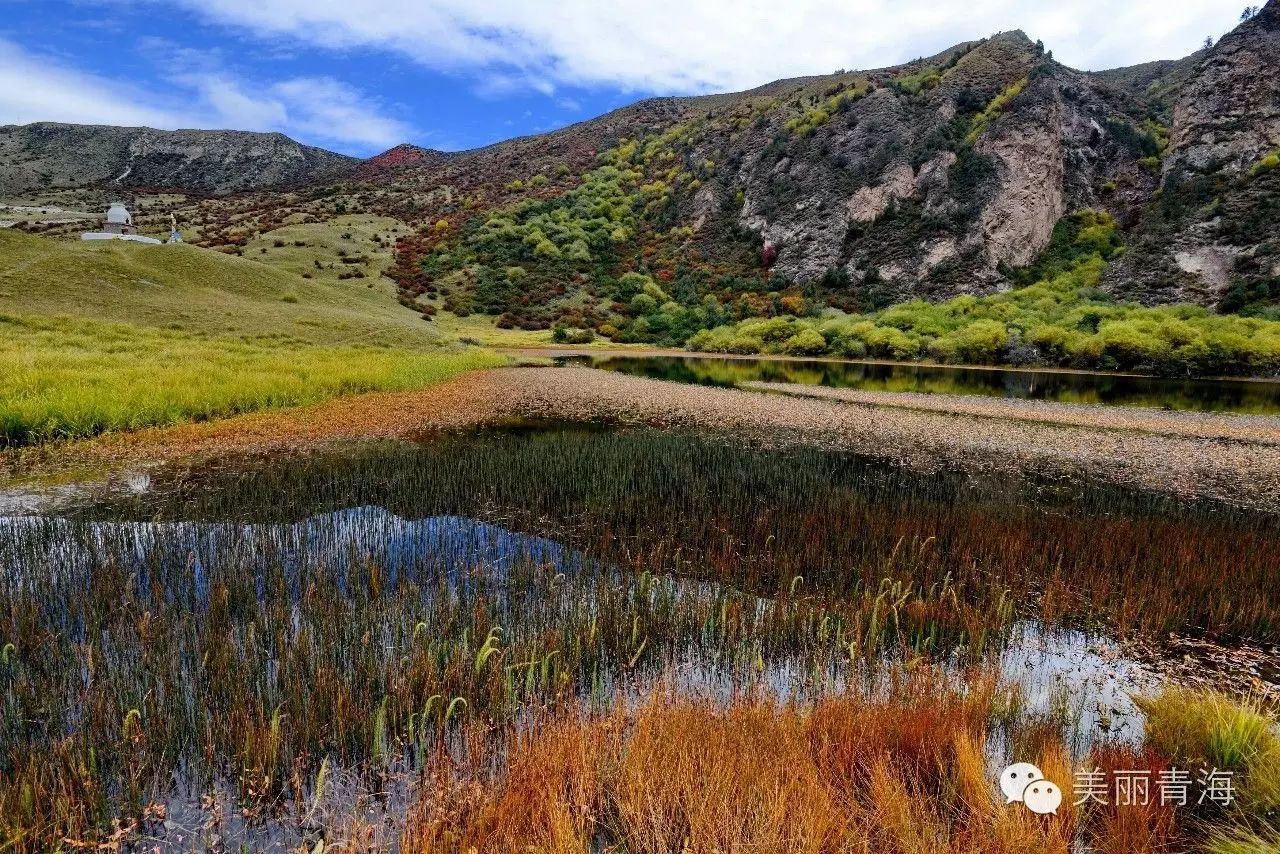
x=1199, y=395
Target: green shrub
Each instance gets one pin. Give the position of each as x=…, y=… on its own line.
x=1267, y=163
x=643, y=303
x=993, y=110
x=980, y=342
x=806, y=342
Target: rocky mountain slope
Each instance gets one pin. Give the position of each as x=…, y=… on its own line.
x=1212, y=232
x=49, y=156
x=946, y=176
x=941, y=177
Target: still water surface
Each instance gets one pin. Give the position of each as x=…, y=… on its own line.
x=1197, y=395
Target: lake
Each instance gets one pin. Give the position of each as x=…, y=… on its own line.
x=1198, y=395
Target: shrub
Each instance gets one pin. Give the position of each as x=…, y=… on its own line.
x=774, y=331
x=807, y=342
x=993, y=110
x=1133, y=345
x=643, y=304
x=1267, y=163
x=546, y=249
x=892, y=343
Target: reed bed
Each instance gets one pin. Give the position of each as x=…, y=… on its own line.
x=761, y=518
x=908, y=770
x=262, y=627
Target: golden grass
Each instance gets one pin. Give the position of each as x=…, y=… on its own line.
x=903, y=774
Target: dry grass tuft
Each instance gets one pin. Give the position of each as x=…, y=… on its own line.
x=903, y=773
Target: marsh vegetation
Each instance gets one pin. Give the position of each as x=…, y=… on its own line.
x=582, y=638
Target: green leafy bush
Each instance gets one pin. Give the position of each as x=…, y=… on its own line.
x=1062, y=319
x=806, y=342
x=993, y=110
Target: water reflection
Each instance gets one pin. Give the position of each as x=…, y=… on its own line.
x=1083, y=679
x=1240, y=396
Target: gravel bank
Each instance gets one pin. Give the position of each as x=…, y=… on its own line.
x=1264, y=429
x=1236, y=461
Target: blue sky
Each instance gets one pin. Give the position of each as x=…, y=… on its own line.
x=361, y=75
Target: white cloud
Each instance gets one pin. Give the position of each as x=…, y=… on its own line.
x=326, y=108
x=713, y=45
x=34, y=89
x=195, y=94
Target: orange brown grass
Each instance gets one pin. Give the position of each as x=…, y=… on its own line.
x=901, y=773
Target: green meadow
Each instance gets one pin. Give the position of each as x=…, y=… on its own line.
x=95, y=338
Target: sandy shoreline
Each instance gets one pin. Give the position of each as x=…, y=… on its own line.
x=1229, y=459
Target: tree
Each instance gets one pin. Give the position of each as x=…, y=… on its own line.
x=1249, y=12
x=1208, y=42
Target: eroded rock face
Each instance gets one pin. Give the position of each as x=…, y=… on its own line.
x=901, y=185
x=1211, y=264
x=868, y=203
x=1019, y=221
x=1228, y=114
x=1213, y=223
x=889, y=188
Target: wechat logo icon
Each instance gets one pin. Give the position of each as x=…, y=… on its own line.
x=1025, y=783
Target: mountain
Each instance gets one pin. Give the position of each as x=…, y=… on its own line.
x=1210, y=234
x=50, y=156
x=968, y=172
x=941, y=177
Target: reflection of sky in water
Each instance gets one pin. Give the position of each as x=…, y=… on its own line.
x=1084, y=675
x=1084, y=679
x=455, y=546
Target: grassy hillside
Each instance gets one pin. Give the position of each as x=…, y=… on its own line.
x=65, y=379
x=357, y=250
x=98, y=337
x=350, y=252
x=198, y=291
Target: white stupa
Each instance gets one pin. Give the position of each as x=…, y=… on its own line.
x=119, y=227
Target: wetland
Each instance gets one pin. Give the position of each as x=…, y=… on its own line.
x=628, y=623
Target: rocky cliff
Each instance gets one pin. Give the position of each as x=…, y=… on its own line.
x=1212, y=232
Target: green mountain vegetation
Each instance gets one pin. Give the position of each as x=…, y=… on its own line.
x=1062, y=319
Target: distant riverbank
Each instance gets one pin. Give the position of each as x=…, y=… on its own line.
x=1229, y=460
x=642, y=351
